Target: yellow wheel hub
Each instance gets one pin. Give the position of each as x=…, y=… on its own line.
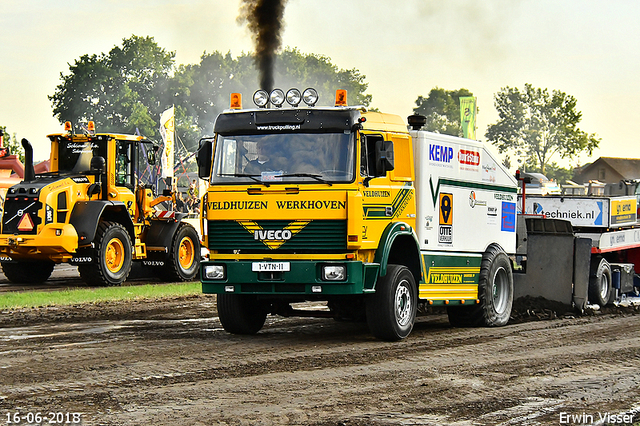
x=186, y=253
x=114, y=255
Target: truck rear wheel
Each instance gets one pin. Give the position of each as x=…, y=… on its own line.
x=391, y=310
x=183, y=263
x=241, y=313
x=112, y=252
x=27, y=272
x=600, y=283
x=495, y=292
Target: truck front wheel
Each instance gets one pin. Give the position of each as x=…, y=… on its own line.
x=495, y=292
x=183, y=263
x=112, y=254
x=241, y=313
x=27, y=272
x=391, y=310
x=600, y=283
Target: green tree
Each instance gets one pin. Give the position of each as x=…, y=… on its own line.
x=121, y=91
x=552, y=171
x=442, y=109
x=15, y=147
x=536, y=124
x=202, y=91
x=128, y=88
x=295, y=69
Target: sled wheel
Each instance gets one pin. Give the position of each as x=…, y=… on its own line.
x=241, y=313
x=495, y=292
x=600, y=282
x=391, y=310
x=25, y=272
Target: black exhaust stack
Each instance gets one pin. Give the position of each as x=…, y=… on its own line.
x=29, y=173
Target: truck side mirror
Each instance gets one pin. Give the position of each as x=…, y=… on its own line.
x=203, y=158
x=384, y=157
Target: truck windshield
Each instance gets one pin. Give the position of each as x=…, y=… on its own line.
x=75, y=156
x=286, y=158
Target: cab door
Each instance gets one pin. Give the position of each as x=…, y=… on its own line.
x=125, y=176
x=388, y=198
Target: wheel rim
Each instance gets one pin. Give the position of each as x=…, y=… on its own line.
x=186, y=253
x=114, y=255
x=500, y=290
x=604, y=286
x=403, y=303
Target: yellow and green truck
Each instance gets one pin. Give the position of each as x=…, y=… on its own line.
x=355, y=208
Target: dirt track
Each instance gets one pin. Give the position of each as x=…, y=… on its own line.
x=170, y=363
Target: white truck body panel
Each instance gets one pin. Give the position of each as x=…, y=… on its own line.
x=614, y=240
x=465, y=199
x=585, y=212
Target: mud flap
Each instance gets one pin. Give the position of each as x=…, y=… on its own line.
x=581, y=267
x=550, y=261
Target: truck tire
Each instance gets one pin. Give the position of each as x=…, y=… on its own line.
x=600, y=283
x=391, y=310
x=495, y=292
x=241, y=313
x=183, y=262
x=112, y=252
x=25, y=272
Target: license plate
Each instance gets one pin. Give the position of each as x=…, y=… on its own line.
x=270, y=266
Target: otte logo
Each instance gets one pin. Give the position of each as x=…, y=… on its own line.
x=440, y=153
x=445, y=230
x=470, y=158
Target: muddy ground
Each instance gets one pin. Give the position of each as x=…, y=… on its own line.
x=169, y=362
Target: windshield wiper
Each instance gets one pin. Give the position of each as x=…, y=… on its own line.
x=252, y=177
x=311, y=175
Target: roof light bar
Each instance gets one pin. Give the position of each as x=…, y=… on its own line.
x=277, y=97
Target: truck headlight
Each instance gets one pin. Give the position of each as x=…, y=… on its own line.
x=334, y=272
x=277, y=97
x=260, y=98
x=214, y=272
x=310, y=96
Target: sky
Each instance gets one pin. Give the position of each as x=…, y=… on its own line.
x=586, y=48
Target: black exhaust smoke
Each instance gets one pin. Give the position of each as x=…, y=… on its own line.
x=264, y=18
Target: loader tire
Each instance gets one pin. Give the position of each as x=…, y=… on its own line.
x=25, y=272
x=241, y=313
x=391, y=310
x=495, y=292
x=183, y=263
x=600, y=282
x=112, y=253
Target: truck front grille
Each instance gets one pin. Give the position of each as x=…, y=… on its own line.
x=315, y=236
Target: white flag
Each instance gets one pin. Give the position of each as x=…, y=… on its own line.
x=167, y=130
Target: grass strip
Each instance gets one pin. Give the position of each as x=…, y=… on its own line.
x=33, y=299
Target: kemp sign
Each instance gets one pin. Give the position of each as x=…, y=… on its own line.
x=441, y=155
